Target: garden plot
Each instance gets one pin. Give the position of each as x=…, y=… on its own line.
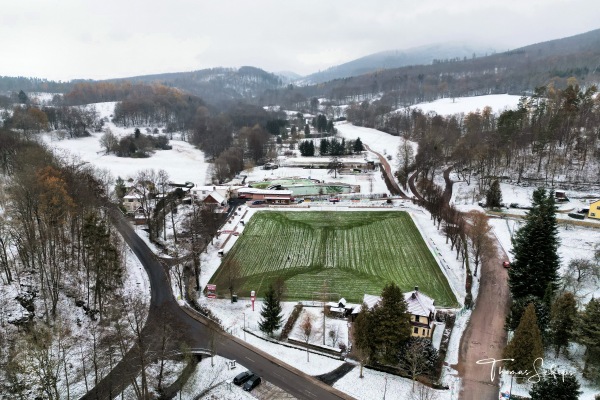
x=351, y=253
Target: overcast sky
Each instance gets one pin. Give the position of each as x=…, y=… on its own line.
x=67, y=39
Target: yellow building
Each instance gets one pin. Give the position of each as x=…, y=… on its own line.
x=422, y=313
x=594, y=211
x=420, y=307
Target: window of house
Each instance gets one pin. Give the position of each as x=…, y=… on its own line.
x=593, y=214
x=423, y=332
x=416, y=330
x=416, y=318
x=597, y=207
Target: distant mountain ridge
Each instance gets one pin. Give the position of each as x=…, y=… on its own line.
x=421, y=55
x=519, y=72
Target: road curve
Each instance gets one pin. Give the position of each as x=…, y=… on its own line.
x=195, y=331
x=388, y=171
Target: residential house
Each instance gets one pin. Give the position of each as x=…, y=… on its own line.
x=215, y=198
x=199, y=193
x=422, y=313
x=420, y=307
x=594, y=211
x=132, y=201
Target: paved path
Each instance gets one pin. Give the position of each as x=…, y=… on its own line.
x=195, y=331
x=484, y=336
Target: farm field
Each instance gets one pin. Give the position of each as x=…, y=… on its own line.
x=352, y=253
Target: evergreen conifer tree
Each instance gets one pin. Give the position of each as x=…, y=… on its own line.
x=526, y=345
x=324, y=147
x=358, y=146
x=270, y=313
x=493, y=196
x=555, y=387
x=390, y=324
x=589, y=335
x=535, y=249
x=562, y=323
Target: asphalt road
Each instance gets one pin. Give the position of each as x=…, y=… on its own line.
x=195, y=331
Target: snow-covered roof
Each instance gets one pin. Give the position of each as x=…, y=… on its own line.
x=133, y=194
x=216, y=196
x=265, y=191
x=419, y=303
x=369, y=300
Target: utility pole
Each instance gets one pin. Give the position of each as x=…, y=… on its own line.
x=325, y=294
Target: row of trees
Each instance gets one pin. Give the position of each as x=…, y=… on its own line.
x=331, y=147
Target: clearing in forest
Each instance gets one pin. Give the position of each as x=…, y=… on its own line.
x=348, y=253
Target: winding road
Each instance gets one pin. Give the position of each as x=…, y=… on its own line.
x=484, y=337
x=196, y=331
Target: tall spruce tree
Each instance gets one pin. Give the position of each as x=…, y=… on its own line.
x=535, y=249
x=390, y=321
x=358, y=146
x=324, y=147
x=493, y=196
x=562, y=322
x=589, y=335
x=271, y=312
x=526, y=345
x=556, y=387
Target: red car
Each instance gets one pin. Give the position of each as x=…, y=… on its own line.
x=506, y=264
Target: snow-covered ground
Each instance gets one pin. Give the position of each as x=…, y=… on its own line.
x=188, y=164
x=449, y=106
x=184, y=163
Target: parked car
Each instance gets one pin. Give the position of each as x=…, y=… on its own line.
x=251, y=383
x=256, y=202
x=242, y=377
x=334, y=199
x=506, y=264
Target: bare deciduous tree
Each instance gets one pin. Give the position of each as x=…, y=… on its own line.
x=306, y=329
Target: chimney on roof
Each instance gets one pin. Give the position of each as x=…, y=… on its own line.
x=416, y=288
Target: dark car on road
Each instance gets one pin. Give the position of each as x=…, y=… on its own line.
x=251, y=383
x=242, y=378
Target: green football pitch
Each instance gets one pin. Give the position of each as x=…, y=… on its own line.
x=347, y=254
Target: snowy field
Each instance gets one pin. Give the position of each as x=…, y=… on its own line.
x=458, y=105
x=184, y=163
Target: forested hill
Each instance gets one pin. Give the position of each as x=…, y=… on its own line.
x=16, y=83
x=421, y=55
x=517, y=71
x=216, y=84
